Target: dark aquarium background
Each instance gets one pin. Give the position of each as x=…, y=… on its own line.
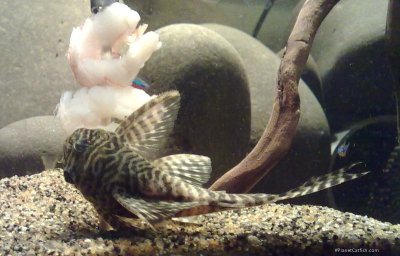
x=223, y=57
x=228, y=79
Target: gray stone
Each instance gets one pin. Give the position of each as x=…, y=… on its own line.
x=30, y=145
x=241, y=14
x=236, y=13
x=309, y=155
x=279, y=22
x=214, y=118
x=350, y=54
x=33, y=68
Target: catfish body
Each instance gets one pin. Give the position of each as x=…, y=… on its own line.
x=117, y=172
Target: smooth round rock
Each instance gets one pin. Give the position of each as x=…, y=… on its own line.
x=30, y=145
x=33, y=68
x=214, y=118
x=240, y=14
x=279, y=23
x=310, y=152
x=349, y=49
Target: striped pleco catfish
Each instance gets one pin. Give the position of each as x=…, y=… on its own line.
x=116, y=171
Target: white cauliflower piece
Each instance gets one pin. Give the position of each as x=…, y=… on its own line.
x=105, y=55
x=109, y=49
x=99, y=106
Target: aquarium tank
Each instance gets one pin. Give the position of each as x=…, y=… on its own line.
x=200, y=127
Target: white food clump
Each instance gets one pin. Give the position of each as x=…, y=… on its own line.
x=97, y=106
x=109, y=48
x=105, y=55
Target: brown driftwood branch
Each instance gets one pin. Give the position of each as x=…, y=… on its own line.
x=280, y=131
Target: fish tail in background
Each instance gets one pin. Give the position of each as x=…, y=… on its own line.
x=220, y=200
x=392, y=169
x=393, y=163
x=314, y=185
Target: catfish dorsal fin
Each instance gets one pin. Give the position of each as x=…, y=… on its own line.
x=147, y=129
x=192, y=169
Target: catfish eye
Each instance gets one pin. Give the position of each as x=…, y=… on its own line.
x=81, y=146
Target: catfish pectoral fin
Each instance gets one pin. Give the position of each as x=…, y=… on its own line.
x=151, y=211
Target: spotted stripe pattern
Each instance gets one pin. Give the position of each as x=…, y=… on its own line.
x=98, y=163
x=222, y=201
x=121, y=182
x=147, y=129
x=193, y=169
x=393, y=162
x=323, y=182
x=96, y=160
x=162, y=184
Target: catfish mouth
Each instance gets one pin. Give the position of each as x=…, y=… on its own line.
x=67, y=171
x=71, y=175
x=67, y=177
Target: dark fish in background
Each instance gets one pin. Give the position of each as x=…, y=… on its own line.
x=393, y=167
x=116, y=171
x=393, y=162
x=139, y=83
